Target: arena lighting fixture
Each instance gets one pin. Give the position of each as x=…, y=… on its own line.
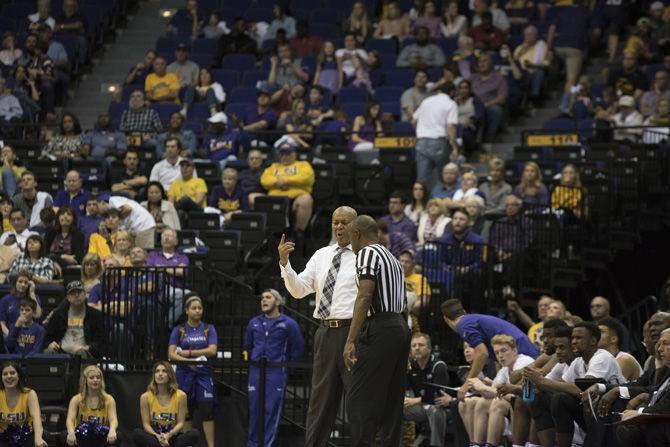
x=166, y=13
x=107, y=87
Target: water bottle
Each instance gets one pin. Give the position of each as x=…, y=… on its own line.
x=527, y=391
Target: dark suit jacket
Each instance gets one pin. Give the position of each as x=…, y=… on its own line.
x=662, y=404
x=94, y=329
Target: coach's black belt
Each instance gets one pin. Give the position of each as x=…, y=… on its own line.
x=333, y=324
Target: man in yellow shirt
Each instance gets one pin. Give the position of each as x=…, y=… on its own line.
x=417, y=280
x=293, y=179
x=188, y=193
x=161, y=86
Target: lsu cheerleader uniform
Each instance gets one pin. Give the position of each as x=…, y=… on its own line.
x=92, y=424
x=163, y=418
x=16, y=425
x=196, y=381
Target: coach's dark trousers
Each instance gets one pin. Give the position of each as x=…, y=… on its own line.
x=375, y=399
x=329, y=379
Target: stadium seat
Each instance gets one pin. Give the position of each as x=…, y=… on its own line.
x=387, y=61
x=276, y=209
x=329, y=16
x=328, y=31
x=258, y=15
x=449, y=46
x=251, y=227
x=238, y=62
x=89, y=169
x=400, y=77
x=325, y=185
x=203, y=221
x=224, y=249
x=203, y=46
x=391, y=108
x=383, y=46
x=48, y=169
x=559, y=124
x=238, y=109
x=197, y=115
x=207, y=170
x=186, y=238
x=251, y=77
x=243, y=94
x=164, y=111
x=349, y=95
x=354, y=109
x=391, y=93
x=229, y=79
x=7, y=24
x=204, y=60
x=403, y=128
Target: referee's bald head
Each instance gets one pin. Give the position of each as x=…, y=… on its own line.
x=362, y=231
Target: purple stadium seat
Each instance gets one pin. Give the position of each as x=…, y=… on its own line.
x=382, y=45
x=203, y=46
x=401, y=77
x=115, y=111
x=165, y=110
x=167, y=44
x=71, y=44
x=391, y=107
x=388, y=61
x=353, y=109
x=203, y=60
x=251, y=77
x=242, y=94
x=229, y=79
x=449, y=46
x=239, y=62
x=198, y=113
x=352, y=95
x=238, y=109
x=386, y=94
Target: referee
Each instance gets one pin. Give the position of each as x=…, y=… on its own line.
x=377, y=347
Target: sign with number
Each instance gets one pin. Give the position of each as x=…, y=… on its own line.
x=395, y=142
x=559, y=139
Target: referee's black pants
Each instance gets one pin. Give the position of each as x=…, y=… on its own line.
x=377, y=388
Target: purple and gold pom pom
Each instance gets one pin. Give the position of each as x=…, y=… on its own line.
x=162, y=428
x=16, y=434
x=91, y=434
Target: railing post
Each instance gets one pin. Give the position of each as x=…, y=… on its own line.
x=261, y=401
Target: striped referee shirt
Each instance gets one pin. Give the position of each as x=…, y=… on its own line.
x=376, y=263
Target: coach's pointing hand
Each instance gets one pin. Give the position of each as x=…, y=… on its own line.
x=285, y=248
x=350, y=355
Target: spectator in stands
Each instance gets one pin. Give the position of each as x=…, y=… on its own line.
x=23, y=288
x=416, y=208
x=229, y=198
x=412, y=97
x=10, y=110
x=31, y=201
x=510, y=234
x=120, y=253
x=626, y=116
x=90, y=222
x=168, y=256
x=395, y=242
x=600, y=308
x=329, y=72
x=41, y=71
x=661, y=119
x=26, y=337
x=91, y=274
x=72, y=22
x=660, y=89
x=188, y=139
x=468, y=189
x=358, y=23
x=449, y=184
x=495, y=189
x=6, y=206
x=186, y=70
x=474, y=205
x=282, y=100
x=26, y=90
x=138, y=74
x=236, y=42
x=419, y=282
x=534, y=59
x=433, y=223
x=134, y=218
x=491, y=88
x=317, y=108
x=43, y=15
x=428, y=404
x=531, y=190
x=206, y=90
x=498, y=16
x=17, y=239
x=68, y=144
x=10, y=170
x=285, y=70
x=520, y=12
x=250, y=178
x=160, y=86
x=611, y=339
x=394, y=24
x=65, y=243
x=471, y=113
x=365, y=128
x=486, y=36
x=167, y=170
x=304, y=43
x=74, y=196
x=103, y=241
x=58, y=55
x=76, y=328
x=453, y=23
x=223, y=143
x=569, y=26
x=261, y=116
x=188, y=193
x=293, y=179
x=556, y=412
x=297, y=125
x=535, y=330
x=428, y=18
x=460, y=232
x=422, y=54
x=140, y=119
x=281, y=20
x=34, y=260
x=104, y=143
x=494, y=405
x=628, y=79
x=568, y=194
x=161, y=209
x=350, y=58
x=131, y=180
x=464, y=58
x=396, y=220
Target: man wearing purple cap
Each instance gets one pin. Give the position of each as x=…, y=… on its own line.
x=293, y=179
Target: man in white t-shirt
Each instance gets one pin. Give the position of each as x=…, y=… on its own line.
x=134, y=218
x=435, y=121
x=558, y=414
x=487, y=412
x=350, y=56
x=16, y=240
x=167, y=170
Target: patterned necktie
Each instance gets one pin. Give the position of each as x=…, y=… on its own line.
x=329, y=287
x=661, y=389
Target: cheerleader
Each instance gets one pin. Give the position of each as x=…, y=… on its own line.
x=163, y=409
x=91, y=417
x=20, y=416
x=196, y=341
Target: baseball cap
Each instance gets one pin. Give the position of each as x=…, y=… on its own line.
x=185, y=160
x=74, y=286
x=103, y=197
x=218, y=117
x=627, y=101
x=286, y=148
x=182, y=47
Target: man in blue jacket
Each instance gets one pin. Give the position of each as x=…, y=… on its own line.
x=277, y=338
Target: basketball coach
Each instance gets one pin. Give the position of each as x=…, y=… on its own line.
x=377, y=347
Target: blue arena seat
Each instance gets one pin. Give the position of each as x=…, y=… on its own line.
x=242, y=94
x=352, y=94
x=239, y=62
x=258, y=15
x=238, y=109
x=204, y=60
x=251, y=77
x=329, y=16
x=401, y=77
x=353, y=109
x=165, y=110
x=384, y=94
x=229, y=79
x=382, y=45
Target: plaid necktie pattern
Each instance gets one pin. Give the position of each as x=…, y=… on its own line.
x=329, y=287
